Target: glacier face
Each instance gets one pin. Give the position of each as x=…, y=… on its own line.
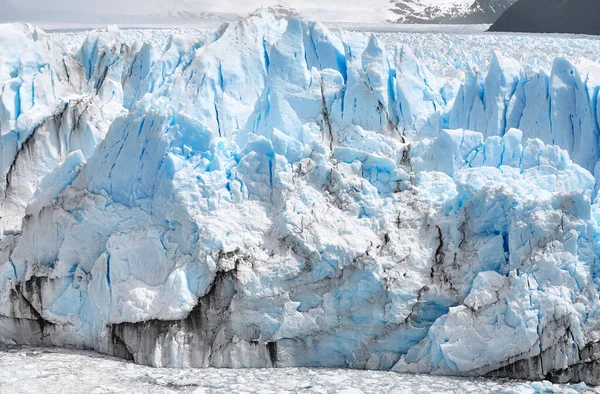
x=276, y=194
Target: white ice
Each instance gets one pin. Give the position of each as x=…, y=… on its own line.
x=35, y=370
x=277, y=193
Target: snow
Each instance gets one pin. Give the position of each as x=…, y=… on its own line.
x=446, y=4
x=29, y=370
x=278, y=194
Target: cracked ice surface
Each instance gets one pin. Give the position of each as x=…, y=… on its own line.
x=446, y=52
x=275, y=194
x=30, y=370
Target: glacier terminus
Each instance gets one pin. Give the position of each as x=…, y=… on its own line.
x=278, y=194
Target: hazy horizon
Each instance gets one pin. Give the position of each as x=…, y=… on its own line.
x=139, y=11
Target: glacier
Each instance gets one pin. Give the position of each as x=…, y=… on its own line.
x=278, y=194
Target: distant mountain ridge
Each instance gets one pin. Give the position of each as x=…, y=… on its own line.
x=551, y=16
x=190, y=12
x=448, y=11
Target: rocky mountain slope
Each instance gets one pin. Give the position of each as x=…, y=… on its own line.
x=448, y=11
x=551, y=16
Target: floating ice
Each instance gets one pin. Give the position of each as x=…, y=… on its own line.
x=28, y=370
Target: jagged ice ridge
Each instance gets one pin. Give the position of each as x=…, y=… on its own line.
x=276, y=194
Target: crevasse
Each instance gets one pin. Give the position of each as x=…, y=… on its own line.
x=276, y=194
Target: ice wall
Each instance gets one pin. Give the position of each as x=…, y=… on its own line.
x=276, y=194
x=559, y=107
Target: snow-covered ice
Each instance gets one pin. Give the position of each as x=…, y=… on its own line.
x=34, y=370
x=447, y=50
x=278, y=194
x=158, y=38
x=448, y=53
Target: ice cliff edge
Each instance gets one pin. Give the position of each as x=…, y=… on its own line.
x=277, y=194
